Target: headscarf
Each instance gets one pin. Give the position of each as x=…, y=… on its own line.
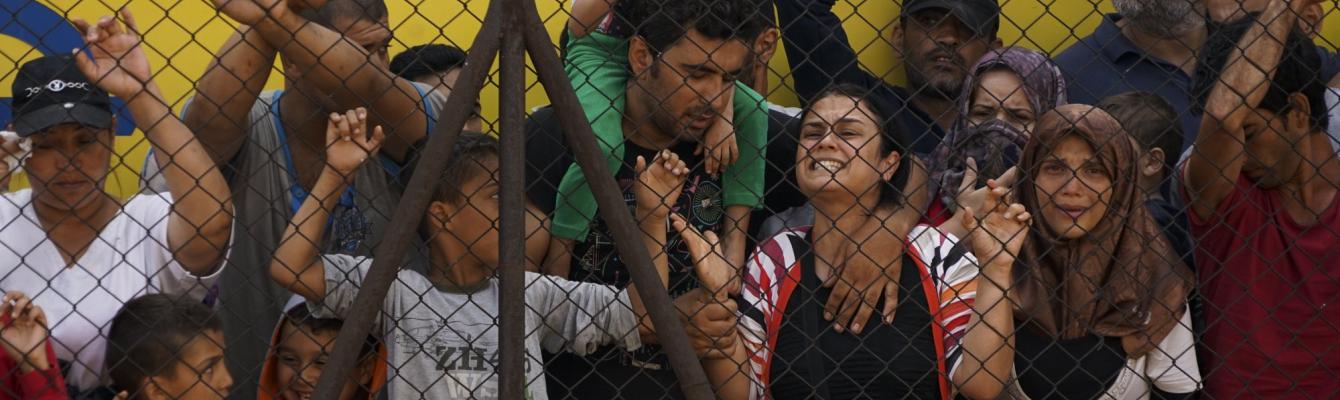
x=1045, y=88
x=1121, y=279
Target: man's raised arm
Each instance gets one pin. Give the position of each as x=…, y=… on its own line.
x=333, y=64
x=1213, y=168
x=218, y=113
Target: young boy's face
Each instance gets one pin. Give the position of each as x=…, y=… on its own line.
x=474, y=223
x=302, y=354
x=471, y=227
x=199, y=373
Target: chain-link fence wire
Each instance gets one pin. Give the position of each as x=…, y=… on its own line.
x=972, y=229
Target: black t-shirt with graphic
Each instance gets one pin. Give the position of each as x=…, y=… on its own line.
x=611, y=373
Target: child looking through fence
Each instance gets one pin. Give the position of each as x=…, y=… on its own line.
x=441, y=328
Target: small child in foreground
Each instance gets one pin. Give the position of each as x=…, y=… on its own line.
x=298, y=352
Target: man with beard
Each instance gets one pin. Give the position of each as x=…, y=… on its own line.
x=939, y=40
x=1148, y=45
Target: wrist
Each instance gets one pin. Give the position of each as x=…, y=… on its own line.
x=652, y=214
x=146, y=98
x=331, y=182
x=999, y=270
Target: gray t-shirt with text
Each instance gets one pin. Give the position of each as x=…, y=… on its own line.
x=444, y=345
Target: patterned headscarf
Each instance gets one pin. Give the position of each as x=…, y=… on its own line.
x=1045, y=88
x=1121, y=279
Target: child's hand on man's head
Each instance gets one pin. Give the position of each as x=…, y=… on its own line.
x=719, y=146
x=24, y=335
x=348, y=144
x=659, y=184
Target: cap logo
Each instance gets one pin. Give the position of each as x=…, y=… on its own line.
x=56, y=86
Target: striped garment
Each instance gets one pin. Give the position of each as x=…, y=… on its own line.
x=948, y=274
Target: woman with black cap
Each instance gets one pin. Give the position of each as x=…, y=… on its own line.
x=80, y=251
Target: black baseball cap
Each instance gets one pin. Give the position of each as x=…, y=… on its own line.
x=982, y=16
x=50, y=91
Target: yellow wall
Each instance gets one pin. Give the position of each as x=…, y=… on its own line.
x=181, y=35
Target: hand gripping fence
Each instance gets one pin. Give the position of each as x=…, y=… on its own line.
x=510, y=24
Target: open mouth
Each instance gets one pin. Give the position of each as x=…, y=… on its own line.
x=942, y=60
x=831, y=166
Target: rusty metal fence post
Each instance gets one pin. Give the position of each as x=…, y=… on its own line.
x=520, y=18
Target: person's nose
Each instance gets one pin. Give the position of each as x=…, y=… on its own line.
x=829, y=141
x=1073, y=186
x=310, y=375
x=224, y=381
x=946, y=34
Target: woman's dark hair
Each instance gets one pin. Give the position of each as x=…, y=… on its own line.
x=891, y=134
x=1299, y=70
x=148, y=335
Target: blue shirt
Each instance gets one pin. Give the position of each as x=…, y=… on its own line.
x=1106, y=63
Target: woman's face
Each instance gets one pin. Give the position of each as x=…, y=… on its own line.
x=1073, y=188
x=67, y=165
x=1000, y=95
x=839, y=151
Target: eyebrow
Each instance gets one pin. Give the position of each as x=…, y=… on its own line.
x=207, y=362
x=705, y=67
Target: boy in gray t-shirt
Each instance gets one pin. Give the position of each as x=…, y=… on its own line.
x=441, y=329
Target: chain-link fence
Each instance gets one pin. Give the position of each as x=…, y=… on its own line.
x=285, y=199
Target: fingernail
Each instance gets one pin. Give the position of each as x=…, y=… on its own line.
x=837, y=328
x=856, y=328
x=828, y=316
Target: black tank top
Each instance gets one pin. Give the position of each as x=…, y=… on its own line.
x=812, y=361
x=1079, y=368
